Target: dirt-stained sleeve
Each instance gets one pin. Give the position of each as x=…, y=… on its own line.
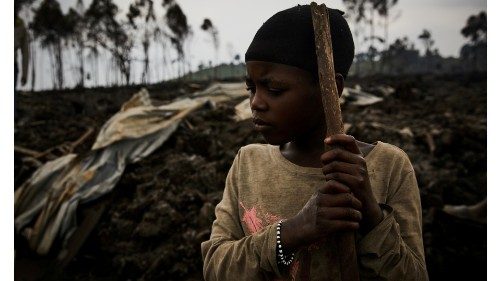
x=229, y=254
x=394, y=249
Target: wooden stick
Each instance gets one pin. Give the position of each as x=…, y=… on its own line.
x=26, y=151
x=324, y=52
x=82, y=138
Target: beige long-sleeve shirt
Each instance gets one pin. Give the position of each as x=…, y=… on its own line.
x=263, y=187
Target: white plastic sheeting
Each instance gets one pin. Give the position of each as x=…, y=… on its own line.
x=45, y=205
x=232, y=90
x=242, y=111
x=358, y=97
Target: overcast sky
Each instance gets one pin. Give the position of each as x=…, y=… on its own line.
x=237, y=21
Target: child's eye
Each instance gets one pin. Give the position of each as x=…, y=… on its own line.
x=275, y=92
x=251, y=89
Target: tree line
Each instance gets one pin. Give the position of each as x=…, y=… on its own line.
x=369, y=16
x=101, y=43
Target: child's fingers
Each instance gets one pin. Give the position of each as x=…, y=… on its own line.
x=343, y=140
x=339, y=213
x=347, y=179
x=334, y=226
x=334, y=187
x=343, y=167
x=339, y=200
x=343, y=155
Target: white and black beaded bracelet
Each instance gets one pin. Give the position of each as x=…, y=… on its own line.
x=282, y=258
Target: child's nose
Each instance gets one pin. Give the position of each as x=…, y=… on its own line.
x=257, y=103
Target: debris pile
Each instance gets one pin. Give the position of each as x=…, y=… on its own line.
x=162, y=207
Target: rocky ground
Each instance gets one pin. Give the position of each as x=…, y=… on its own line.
x=162, y=208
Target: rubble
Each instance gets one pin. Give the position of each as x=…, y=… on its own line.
x=163, y=207
x=356, y=96
x=45, y=206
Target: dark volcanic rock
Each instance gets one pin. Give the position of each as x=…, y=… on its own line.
x=162, y=208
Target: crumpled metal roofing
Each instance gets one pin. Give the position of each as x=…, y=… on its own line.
x=45, y=205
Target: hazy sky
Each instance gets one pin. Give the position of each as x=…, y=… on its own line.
x=237, y=21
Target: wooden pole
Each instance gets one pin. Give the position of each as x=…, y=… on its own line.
x=346, y=241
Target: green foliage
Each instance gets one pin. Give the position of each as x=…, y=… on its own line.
x=475, y=28
x=207, y=24
x=210, y=28
x=49, y=23
x=428, y=42
x=97, y=28
x=177, y=22
x=135, y=12
x=358, y=8
x=102, y=25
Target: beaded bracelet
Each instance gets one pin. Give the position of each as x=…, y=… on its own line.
x=283, y=259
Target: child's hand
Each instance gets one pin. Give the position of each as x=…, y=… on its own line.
x=346, y=166
x=330, y=210
x=333, y=208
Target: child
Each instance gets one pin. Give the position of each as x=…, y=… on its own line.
x=283, y=201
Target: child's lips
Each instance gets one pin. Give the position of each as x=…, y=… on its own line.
x=261, y=125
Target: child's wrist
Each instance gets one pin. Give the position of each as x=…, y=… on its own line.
x=289, y=237
x=283, y=255
x=372, y=217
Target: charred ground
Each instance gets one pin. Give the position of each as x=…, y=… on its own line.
x=163, y=206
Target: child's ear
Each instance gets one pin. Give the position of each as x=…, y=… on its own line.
x=339, y=79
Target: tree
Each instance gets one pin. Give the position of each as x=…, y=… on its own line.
x=210, y=28
x=25, y=7
x=383, y=7
x=177, y=22
x=162, y=37
x=77, y=33
x=107, y=32
x=475, y=28
x=358, y=9
x=51, y=26
x=20, y=4
x=427, y=40
x=399, y=55
x=475, y=50
x=143, y=9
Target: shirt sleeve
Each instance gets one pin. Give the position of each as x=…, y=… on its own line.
x=229, y=254
x=394, y=249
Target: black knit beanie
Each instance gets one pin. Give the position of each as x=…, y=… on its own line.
x=288, y=38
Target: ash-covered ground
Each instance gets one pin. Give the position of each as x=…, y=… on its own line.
x=163, y=206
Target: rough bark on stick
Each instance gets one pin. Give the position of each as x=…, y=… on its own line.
x=345, y=242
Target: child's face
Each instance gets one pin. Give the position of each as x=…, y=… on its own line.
x=285, y=102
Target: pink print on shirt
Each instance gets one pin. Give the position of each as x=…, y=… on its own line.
x=255, y=219
x=254, y=224
x=250, y=219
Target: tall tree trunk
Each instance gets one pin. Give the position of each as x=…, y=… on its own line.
x=52, y=59
x=82, y=69
x=33, y=63
x=356, y=36
x=127, y=74
x=59, y=61
x=178, y=68
x=96, y=70
x=386, y=30
x=386, y=39
x=372, y=35
x=145, y=72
